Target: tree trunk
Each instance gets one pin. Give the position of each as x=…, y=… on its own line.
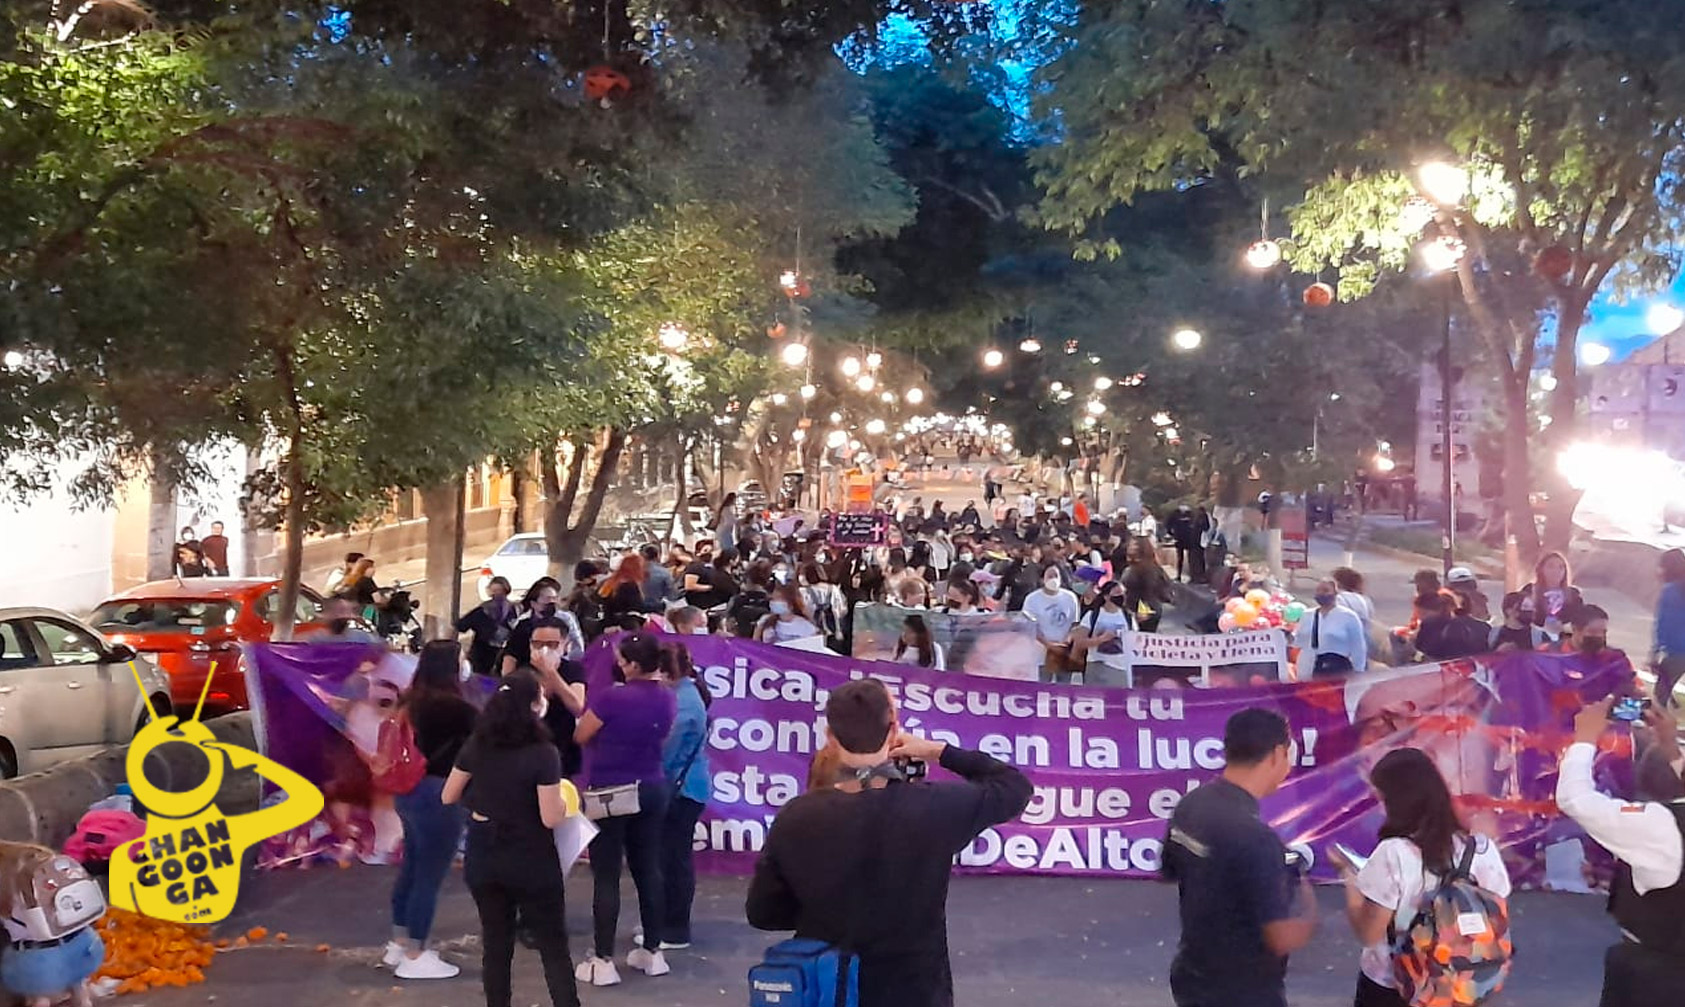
x=1518, y=479
x=1564, y=421
x=560, y=496
x=442, y=597
x=161, y=521
x=565, y=537
x=292, y=564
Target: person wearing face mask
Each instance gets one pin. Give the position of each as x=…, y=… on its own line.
x=964, y=598
x=509, y=777
x=825, y=604
x=1101, y=635
x=684, y=758
x=787, y=617
x=1055, y=612
x=541, y=604
x=1591, y=631
x=1331, y=640
x=564, y=687
x=490, y=623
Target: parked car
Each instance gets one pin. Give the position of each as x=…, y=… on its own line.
x=522, y=559
x=187, y=625
x=66, y=691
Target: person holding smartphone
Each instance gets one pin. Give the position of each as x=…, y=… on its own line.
x=1647, y=898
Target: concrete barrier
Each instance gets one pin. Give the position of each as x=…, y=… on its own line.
x=44, y=807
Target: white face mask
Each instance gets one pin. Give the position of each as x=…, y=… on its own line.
x=701, y=630
x=1050, y=585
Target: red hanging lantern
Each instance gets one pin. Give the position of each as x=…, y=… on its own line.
x=1553, y=262
x=777, y=331
x=605, y=82
x=1319, y=295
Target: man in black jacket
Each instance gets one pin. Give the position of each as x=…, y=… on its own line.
x=864, y=862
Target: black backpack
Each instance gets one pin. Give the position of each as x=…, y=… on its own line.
x=750, y=608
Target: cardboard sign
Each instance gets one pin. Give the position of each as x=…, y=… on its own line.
x=859, y=531
x=1295, y=539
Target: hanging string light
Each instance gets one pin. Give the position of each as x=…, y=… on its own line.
x=794, y=354
x=851, y=367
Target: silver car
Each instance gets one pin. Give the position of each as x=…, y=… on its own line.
x=66, y=691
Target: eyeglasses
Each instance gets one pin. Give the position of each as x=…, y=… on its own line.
x=547, y=645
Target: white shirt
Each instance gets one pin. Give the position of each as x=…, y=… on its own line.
x=780, y=631
x=1360, y=606
x=1395, y=879
x=1026, y=506
x=1644, y=836
x=1101, y=621
x=1337, y=632
x=1054, y=614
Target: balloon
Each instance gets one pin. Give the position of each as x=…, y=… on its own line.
x=1232, y=604
x=1245, y=615
x=1257, y=597
x=1294, y=612
x=1226, y=623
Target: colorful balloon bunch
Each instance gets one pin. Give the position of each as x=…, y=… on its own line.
x=1260, y=609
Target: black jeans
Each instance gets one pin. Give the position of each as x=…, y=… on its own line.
x=518, y=874
x=637, y=840
x=1372, y=994
x=678, y=868
x=1636, y=977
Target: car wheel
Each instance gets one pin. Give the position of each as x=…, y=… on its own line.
x=8, y=761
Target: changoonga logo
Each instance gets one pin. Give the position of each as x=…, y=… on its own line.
x=187, y=866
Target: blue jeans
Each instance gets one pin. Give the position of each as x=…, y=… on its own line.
x=635, y=839
x=432, y=830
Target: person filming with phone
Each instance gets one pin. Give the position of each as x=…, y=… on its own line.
x=1647, y=897
x=862, y=864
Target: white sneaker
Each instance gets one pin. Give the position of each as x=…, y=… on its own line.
x=393, y=956
x=427, y=965
x=597, y=972
x=675, y=945
x=650, y=963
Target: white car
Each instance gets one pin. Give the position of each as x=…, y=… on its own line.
x=521, y=560
x=66, y=691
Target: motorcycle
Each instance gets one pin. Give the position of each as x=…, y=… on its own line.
x=395, y=620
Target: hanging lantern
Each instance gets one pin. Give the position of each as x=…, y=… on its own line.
x=777, y=331
x=1554, y=262
x=1319, y=295
x=605, y=82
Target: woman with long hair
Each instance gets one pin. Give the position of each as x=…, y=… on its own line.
x=1146, y=586
x=1100, y=632
x=916, y=647
x=509, y=777
x=1421, y=841
x=825, y=603
x=684, y=760
x=440, y=721
x=624, y=730
x=1553, y=602
x=788, y=619
x=622, y=594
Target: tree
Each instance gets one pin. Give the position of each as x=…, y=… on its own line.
x=1562, y=116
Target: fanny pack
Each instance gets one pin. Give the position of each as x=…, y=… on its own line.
x=610, y=802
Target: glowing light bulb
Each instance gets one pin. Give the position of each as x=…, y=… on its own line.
x=1595, y=354
x=1445, y=184
x=1102, y=384
x=794, y=354
x=874, y=360
x=915, y=396
x=850, y=366
x=1096, y=407
x=1443, y=253
x=673, y=336
x=809, y=391
x=888, y=398
x=1187, y=339
x=993, y=358
x=1030, y=345
x=779, y=398
x=798, y=435
x=1264, y=254
x=836, y=439
x=876, y=428
x=866, y=383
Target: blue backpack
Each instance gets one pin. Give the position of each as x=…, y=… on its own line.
x=805, y=973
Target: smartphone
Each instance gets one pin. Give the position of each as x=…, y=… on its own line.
x=913, y=769
x=1629, y=709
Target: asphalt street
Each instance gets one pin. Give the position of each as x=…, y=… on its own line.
x=1050, y=942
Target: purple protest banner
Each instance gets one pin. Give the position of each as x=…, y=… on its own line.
x=1108, y=765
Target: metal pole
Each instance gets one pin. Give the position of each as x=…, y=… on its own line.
x=1447, y=483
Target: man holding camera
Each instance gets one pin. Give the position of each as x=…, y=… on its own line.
x=1246, y=904
x=863, y=863
x=1647, y=898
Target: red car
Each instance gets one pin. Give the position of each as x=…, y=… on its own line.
x=186, y=625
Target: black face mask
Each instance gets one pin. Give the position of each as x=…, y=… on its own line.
x=339, y=625
x=545, y=610
x=1593, y=644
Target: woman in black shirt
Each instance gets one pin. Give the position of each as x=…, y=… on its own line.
x=509, y=777
x=440, y=720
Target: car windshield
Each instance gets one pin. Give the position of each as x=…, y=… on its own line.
x=524, y=547
x=165, y=615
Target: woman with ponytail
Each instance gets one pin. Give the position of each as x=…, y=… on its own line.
x=509, y=776
x=684, y=760
x=627, y=792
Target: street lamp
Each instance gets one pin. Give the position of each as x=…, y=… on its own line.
x=793, y=354
x=1441, y=255
x=993, y=359
x=1664, y=319
x=851, y=367
x=1187, y=339
x=1445, y=184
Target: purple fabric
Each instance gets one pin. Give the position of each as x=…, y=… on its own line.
x=637, y=717
x=1108, y=765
